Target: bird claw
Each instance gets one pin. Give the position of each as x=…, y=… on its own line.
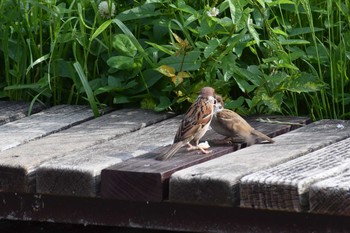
x=202, y=147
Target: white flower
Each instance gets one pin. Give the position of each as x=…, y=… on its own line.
x=104, y=10
x=213, y=12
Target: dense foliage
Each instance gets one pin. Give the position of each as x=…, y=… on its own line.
x=263, y=56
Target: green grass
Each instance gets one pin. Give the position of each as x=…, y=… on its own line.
x=280, y=56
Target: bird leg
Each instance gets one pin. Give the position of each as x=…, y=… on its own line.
x=197, y=147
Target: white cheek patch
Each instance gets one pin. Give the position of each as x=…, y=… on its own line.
x=218, y=107
x=211, y=99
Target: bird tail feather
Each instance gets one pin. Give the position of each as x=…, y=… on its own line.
x=263, y=136
x=171, y=152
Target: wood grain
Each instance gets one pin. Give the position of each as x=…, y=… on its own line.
x=42, y=124
x=286, y=186
x=14, y=110
x=146, y=179
x=78, y=173
x=331, y=196
x=18, y=165
x=216, y=182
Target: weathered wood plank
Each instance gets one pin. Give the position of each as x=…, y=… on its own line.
x=78, y=173
x=42, y=124
x=216, y=182
x=286, y=186
x=14, y=110
x=331, y=196
x=160, y=216
x=18, y=165
x=146, y=179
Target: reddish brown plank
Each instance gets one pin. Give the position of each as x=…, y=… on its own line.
x=145, y=179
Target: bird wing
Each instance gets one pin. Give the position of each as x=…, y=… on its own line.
x=198, y=115
x=234, y=122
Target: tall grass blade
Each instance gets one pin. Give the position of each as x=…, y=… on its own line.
x=87, y=88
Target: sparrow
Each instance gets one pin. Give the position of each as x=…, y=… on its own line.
x=194, y=124
x=230, y=124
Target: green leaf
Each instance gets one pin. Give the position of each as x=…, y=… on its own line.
x=211, y=47
x=100, y=29
x=190, y=63
x=161, y=48
x=127, y=32
x=243, y=84
x=302, y=82
x=121, y=62
x=164, y=104
x=237, y=13
x=303, y=30
x=121, y=99
x=123, y=45
x=87, y=88
x=273, y=102
x=234, y=104
x=252, y=30
x=144, y=11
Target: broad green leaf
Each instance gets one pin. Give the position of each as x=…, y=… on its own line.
x=211, y=47
x=144, y=11
x=164, y=104
x=303, y=82
x=273, y=102
x=253, y=78
x=121, y=99
x=140, y=49
x=121, y=62
x=234, y=104
x=191, y=61
x=123, y=44
x=114, y=81
x=243, y=84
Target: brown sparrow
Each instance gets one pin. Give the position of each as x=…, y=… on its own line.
x=194, y=124
x=230, y=124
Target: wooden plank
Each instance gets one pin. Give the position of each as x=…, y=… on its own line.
x=331, y=196
x=42, y=124
x=286, y=186
x=14, y=110
x=18, y=165
x=216, y=182
x=164, y=216
x=146, y=179
x=78, y=173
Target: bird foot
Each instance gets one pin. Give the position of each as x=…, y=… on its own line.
x=202, y=147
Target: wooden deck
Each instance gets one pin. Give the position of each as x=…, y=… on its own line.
x=62, y=165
